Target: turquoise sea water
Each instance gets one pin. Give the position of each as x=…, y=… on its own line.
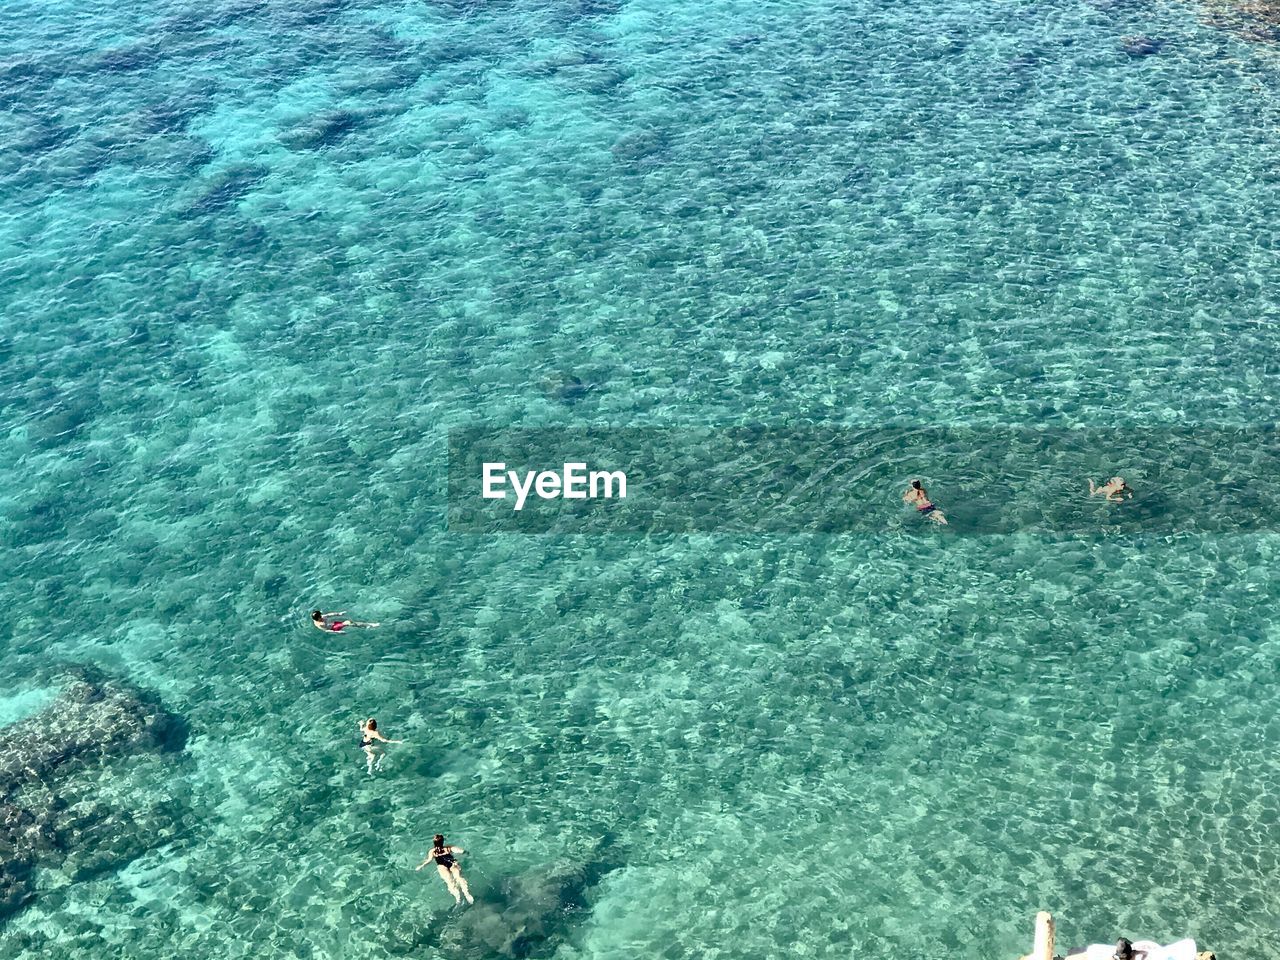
x=257, y=258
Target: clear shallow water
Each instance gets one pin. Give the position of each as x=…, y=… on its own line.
x=258, y=258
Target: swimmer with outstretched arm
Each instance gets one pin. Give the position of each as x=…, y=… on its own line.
x=330, y=623
x=918, y=497
x=371, y=739
x=447, y=866
x=1114, y=490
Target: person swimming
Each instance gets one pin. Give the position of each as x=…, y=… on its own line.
x=918, y=497
x=447, y=866
x=330, y=623
x=1114, y=490
x=371, y=739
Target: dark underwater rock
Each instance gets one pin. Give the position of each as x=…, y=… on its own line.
x=205, y=19
x=587, y=9
x=227, y=187
x=65, y=420
x=130, y=59
x=378, y=80
x=1024, y=61
x=170, y=115
x=641, y=145
x=1141, y=45
x=1108, y=6
x=93, y=719
x=89, y=719
x=567, y=388
x=326, y=129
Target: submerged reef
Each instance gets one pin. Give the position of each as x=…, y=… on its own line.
x=44, y=819
x=1254, y=20
x=1142, y=45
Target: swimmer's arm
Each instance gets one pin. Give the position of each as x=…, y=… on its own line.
x=423, y=863
x=1092, y=488
x=336, y=613
x=458, y=850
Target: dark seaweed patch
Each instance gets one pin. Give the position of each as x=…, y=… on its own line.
x=744, y=40
x=465, y=8
x=326, y=129
x=211, y=17
x=43, y=521
x=21, y=78
x=64, y=423
x=641, y=145
x=1025, y=61
x=33, y=135
x=599, y=80
x=553, y=64
x=171, y=115
x=316, y=12
x=588, y=9
x=227, y=187
x=380, y=80
x=129, y=59
x=1142, y=45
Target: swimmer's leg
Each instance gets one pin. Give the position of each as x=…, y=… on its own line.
x=462, y=882
x=447, y=877
x=937, y=517
x=368, y=752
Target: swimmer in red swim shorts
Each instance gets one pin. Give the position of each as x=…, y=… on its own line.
x=330, y=623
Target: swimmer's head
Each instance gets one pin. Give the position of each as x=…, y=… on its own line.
x=371, y=723
x=1118, y=481
x=317, y=616
x=915, y=485
x=438, y=839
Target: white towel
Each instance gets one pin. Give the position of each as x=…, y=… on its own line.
x=1181, y=950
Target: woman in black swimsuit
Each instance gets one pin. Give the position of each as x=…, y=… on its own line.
x=371, y=739
x=448, y=867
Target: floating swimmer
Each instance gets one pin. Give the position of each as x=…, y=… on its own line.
x=918, y=497
x=330, y=622
x=447, y=866
x=1114, y=490
x=370, y=739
